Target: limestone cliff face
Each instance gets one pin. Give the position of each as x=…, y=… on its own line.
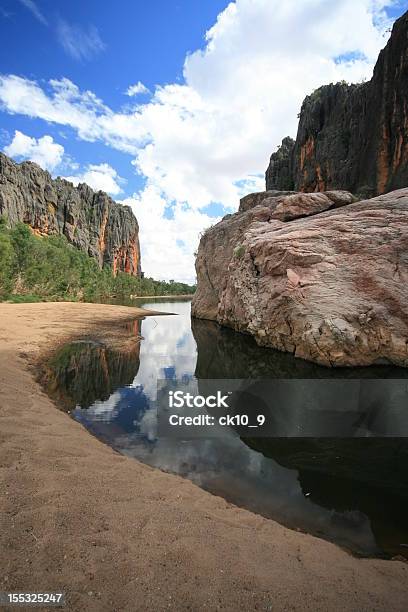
x=91, y=221
x=352, y=137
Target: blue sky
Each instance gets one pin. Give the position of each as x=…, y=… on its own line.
x=215, y=86
x=142, y=41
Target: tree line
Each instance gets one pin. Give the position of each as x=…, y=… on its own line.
x=49, y=268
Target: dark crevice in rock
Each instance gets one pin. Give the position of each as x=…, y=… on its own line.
x=257, y=271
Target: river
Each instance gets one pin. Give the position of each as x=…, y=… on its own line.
x=350, y=491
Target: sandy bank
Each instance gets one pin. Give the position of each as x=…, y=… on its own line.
x=117, y=535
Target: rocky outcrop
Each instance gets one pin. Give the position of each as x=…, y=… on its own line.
x=224, y=240
x=91, y=221
x=253, y=199
x=329, y=287
x=279, y=174
x=352, y=137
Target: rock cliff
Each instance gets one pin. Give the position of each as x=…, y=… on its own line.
x=317, y=275
x=90, y=220
x=352, y=137
x=279, y=174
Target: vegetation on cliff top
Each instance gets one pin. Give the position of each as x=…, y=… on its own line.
x=49, y=268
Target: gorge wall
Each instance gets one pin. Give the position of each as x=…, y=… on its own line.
x=91, y=221
x=352, y=137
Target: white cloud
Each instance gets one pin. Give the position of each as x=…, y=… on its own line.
x=32, y=6
x=167, y=244
x=44, y=151
x=79, y=42
x=100, y=177
x=64, y=104
x=49, y=155
x=137, y=88
x=209, y=139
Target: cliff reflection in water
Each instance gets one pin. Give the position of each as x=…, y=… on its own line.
x=352, y=491
x=85, y=371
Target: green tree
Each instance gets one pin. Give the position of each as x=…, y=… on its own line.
x=22, y=238
x=7, y=267
x=49, y=268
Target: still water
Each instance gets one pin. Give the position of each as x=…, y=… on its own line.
x=351, y=491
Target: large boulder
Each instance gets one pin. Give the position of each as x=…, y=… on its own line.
x=330, y=287
x=218, y=243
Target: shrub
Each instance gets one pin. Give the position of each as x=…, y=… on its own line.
x=239, y=251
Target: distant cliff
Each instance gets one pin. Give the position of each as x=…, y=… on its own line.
x=352, y=137
x=90, y=220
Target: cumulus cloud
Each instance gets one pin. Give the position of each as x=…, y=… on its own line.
x=137, y=88
x=100, y=177
x=44, y=151
x=79, y=42
x=209, y=139
x=50, y=155
x=167, y=242
x=63, y=103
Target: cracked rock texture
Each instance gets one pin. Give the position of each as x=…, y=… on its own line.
x=352, y=137
x=316, y=275
x=91, y=221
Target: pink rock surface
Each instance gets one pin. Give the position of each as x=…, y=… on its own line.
x=330, y=288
